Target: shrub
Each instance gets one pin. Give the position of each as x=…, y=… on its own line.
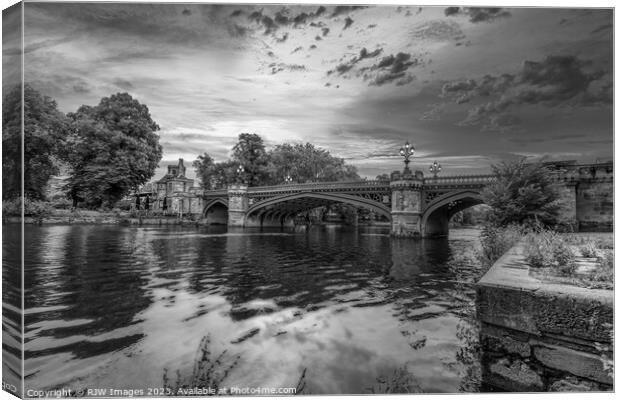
x=588, y=249
x=605, y=242
x=209, y=370
x=605, y=269
x=524, y=193
x=496, y=241
x=12, y=207
x=32, y=208
x=61, y=203
x=547, y=249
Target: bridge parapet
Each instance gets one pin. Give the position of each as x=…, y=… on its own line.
x=460, y=180
x=319, y=186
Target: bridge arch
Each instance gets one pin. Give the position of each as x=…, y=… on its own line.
x=216, y=211
x=292, y=204
x=437, y=214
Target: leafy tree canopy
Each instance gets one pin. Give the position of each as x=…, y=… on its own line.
x=250, y=153
x=307, y=163
x=115, y=149
x=524, y=193
x=301, y=162
x=45, y=131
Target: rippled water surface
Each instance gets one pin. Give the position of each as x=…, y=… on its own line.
x=110, y=306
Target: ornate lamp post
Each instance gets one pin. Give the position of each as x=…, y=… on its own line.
x=240, y=171
x=288, y=179
x=407, y=151
x=435, y=169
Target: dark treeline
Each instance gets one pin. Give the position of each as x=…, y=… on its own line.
x=108, y=149
x=294, y=163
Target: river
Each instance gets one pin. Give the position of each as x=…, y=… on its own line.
x=115, y=307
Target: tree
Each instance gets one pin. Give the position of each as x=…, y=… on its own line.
x=205, y=168
x=45, y=131
x=250, y=153
x=523, y=193
x=307, y=163
x=114, y=150
x=383, y=177
x=224, y=173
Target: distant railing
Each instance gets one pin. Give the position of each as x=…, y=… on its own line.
x=460, y=180
x=320, y=186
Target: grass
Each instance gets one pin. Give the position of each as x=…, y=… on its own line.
x=556, y=257
x=549, y=250
x=588, y=250
x=209, y=371
x=399, y=381
x=495, y=242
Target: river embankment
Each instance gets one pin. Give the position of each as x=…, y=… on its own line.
x=541, y=335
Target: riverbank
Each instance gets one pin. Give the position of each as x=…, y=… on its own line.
x=540, y=335
x=67, y=217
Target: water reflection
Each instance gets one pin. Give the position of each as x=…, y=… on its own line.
x=116, y=305
x=11, y=308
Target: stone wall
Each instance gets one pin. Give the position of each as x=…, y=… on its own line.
x=538, y=336
x=595, y=206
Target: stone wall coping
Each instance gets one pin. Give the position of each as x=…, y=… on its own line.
x=511, y=271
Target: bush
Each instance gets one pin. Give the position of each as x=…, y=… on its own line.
x=588, y=250
x=496, y=241
x=547, y=249
x=12, y=207
x=209, y=371
x=605, y=269
x=61, y=203
x=525, y=193
x=605, y=243
x=32, y=208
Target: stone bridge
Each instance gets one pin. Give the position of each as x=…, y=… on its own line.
x=415, y=205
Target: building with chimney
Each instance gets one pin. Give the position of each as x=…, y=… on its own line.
x=173, y=194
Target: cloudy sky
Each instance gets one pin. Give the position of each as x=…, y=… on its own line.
x=467, y=87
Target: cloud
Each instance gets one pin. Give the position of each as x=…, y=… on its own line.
x=281, y=18
x=478, y=14
x=320, y=11
x=123, y=83
x=437, y=30
x=346, y=66
x=347, y=22
x=269, y=24
x=235, y=30
x=282, y=38
x=339, y=10
x=556, y=80
x=279, y=67
x=602, y=28
x=46, y=44
x=392, y=68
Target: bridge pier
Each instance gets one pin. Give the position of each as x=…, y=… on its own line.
x=237, y=204
x=406, y=203
x=569, y=195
